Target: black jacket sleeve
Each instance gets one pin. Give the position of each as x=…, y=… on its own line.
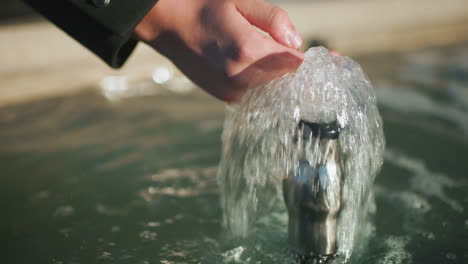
x=104, y=26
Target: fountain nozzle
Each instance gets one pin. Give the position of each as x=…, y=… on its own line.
x=312, y=192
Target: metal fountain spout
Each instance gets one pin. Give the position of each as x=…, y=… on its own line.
x=312, y=192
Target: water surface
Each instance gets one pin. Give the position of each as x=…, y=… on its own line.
x=85, y=180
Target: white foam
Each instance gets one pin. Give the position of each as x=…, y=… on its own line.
x=396, y=253
x=233, y=255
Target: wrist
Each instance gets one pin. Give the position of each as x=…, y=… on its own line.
x=149, y=28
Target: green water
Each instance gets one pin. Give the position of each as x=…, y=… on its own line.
x=84, y=180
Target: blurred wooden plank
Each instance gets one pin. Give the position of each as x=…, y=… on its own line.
x=39, y=60
x=358, y=27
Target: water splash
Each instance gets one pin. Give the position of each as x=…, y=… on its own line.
x=259, y=149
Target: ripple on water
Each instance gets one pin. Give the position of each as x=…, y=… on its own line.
x=148, y=235
x=65, y=210
x=425, y=181
x=181, y=183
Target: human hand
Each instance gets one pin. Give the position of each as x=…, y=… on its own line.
x=217, y=44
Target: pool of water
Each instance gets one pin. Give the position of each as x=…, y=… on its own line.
x=86, y=180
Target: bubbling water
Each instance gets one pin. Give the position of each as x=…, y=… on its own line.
x=260, y=149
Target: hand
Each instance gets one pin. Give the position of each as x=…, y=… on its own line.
x=217, y=44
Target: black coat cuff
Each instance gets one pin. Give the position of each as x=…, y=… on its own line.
x=106, y=31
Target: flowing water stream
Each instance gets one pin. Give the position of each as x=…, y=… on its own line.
x=260, y=148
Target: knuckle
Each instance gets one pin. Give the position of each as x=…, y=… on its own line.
x=244, y=53
x=239, y=51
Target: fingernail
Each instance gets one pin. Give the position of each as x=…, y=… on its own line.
x=296, y=41
x=289, y=37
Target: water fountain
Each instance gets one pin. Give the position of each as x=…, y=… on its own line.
x=312, y=192
x=313, y=138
